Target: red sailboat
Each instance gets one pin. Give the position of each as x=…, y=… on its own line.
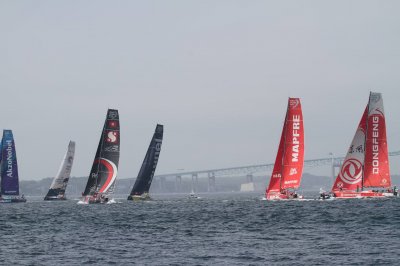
x=288, y=167
x=365, y=170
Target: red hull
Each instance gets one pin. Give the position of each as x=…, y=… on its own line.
x=361, y=194
x=280, y=196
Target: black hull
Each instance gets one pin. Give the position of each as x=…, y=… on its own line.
x=139, y=197
x=54, y=199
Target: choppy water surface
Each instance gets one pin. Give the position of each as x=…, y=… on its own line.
x=226, y=229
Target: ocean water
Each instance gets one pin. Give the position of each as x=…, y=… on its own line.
x=219, y=229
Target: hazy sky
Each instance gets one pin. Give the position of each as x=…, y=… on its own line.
x=217, y=74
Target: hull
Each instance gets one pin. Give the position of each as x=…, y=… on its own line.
x=281, y=196
x=361, y=194
x=55, y=198
x=12, y=200
x=144, y=196
x=193, y=196
x=94, y=200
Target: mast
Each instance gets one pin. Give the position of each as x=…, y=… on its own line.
x=284, y=132
x=146, y=173
x=105, y=165
x=365, y=143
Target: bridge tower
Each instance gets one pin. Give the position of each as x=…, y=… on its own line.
x=211, y=182
x=178, y=183
x=194, y=182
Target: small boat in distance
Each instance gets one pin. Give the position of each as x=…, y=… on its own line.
x=101, y=181
x=140, y=190
x=365, y=171
x=193, y=195
x=60, y=181
x=288, y=167
x=9, y=192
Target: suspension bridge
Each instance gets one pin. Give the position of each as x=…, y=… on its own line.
x=249, y=170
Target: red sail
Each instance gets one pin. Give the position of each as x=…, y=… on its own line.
x=351, y=172
x=274, y=186
x=376, y=167
x=293, y=159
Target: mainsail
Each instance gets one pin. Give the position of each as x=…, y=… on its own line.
x=376, y=168
x=146, y=173
x=9, y=167
x=60, y=181
x=105, y=166
x=289, y=161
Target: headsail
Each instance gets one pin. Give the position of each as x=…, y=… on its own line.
x=276, y=176
x=288, y=167
x=105, y=166
x=146, y=173
x=60, y=181
x=350, y=174
x=376, y=167
x=9, y=167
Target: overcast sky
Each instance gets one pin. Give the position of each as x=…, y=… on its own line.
x=217, y=74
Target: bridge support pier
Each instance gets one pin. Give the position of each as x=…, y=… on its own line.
x=162, y=183
x=178, y=183
x=249, y=178
x=194, y=185
x=211, y=182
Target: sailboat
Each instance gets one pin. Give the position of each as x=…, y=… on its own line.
x=101, y=181
x=365, y=169
x=60, y=181
x=140, y=190
x=288, y=167
x=9, y=170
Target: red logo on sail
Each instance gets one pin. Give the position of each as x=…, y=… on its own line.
x=113, y=124
x=293, y=103
x=351, y=171
x=112, y=136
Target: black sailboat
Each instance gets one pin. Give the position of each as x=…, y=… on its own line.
x=9, y=192
x=101, y=181
x=143, y=181
x=60, y=181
